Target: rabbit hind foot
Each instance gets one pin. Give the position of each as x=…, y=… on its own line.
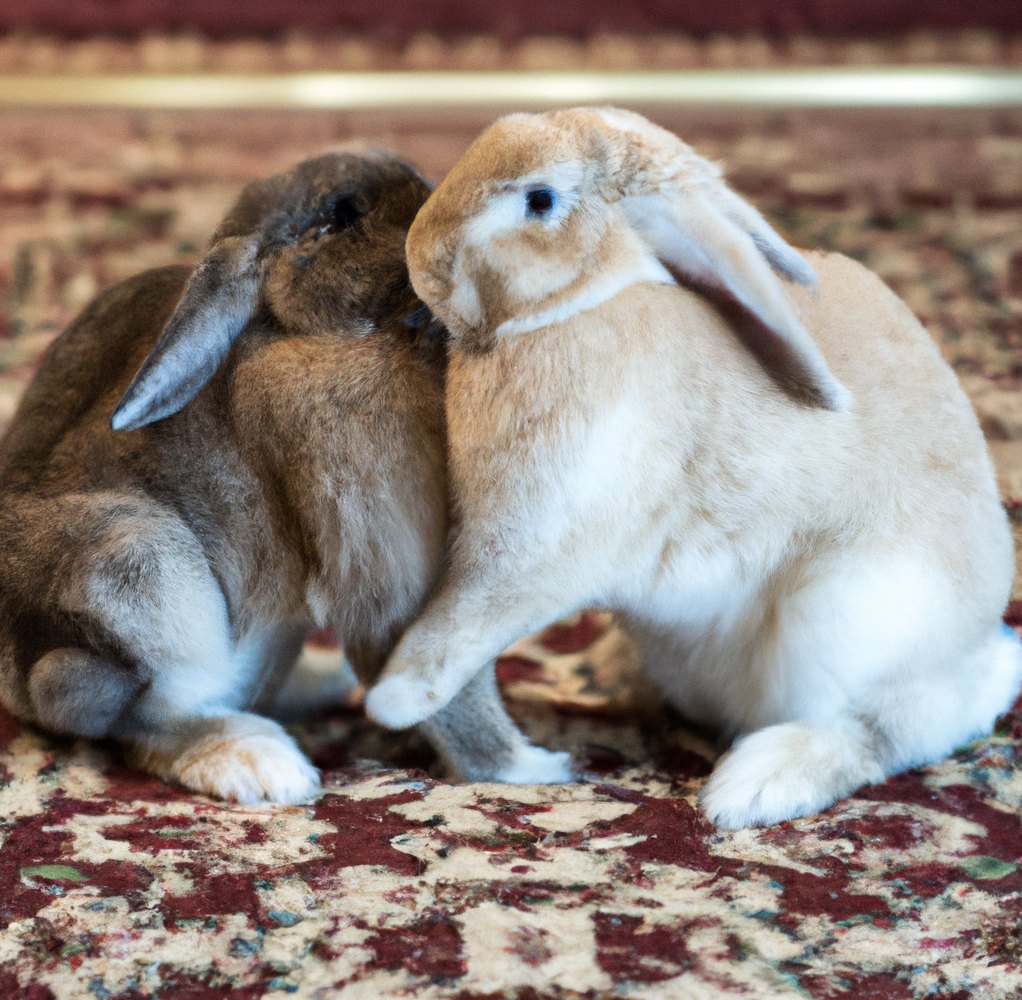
x=789, y=770
x=536, y=766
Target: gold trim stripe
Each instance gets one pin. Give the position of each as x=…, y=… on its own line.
x=829, y=87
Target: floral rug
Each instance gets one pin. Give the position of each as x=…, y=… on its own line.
x=395, y=883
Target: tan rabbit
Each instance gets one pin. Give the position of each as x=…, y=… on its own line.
x=157, y=580
x=778, y=485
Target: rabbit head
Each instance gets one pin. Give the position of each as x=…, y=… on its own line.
x=550, y=214
x=318, y=249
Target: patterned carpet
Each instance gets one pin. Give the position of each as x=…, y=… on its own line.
x=395, y=883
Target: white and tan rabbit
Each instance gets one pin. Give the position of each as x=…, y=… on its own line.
x=157, y=580
x=786, y=497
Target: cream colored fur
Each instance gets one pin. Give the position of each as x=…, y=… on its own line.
x=810, y=552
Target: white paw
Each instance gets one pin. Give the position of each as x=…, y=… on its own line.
x=245, y=758
x=789, y=770
x=536, y=766
x=401, y=700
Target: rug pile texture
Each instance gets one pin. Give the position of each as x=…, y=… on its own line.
x=394, y=882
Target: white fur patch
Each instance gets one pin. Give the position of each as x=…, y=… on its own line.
x=927, y=714
x=791, y=770
x=536, y=766
x=177, y=626
x=749, y=653
x=507, y=209
x=400, y=700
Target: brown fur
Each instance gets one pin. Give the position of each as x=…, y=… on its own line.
x=303, y=482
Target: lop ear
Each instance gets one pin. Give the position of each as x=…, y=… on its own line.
x=698, y=227
x=216, y=306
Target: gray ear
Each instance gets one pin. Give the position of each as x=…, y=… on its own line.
x=216, y=306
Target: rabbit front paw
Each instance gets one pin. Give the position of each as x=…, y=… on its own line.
x=400, y=700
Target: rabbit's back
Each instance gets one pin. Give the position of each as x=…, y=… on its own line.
x=908, y=442
x=910, y=464
x=87, y=366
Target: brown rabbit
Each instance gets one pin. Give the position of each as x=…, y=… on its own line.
x=159, y=575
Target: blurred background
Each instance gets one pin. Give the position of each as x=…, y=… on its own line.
x=928, y=196
x=393, y=21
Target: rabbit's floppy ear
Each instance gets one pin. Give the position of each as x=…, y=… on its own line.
x=698, y=227
x=216, y=306
x=694, y=237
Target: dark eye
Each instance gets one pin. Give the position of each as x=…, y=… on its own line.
x=344, y=214
x=540, y=201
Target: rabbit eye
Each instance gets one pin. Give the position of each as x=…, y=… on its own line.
x=342, y=215
x=346, y=214
x=540, y=201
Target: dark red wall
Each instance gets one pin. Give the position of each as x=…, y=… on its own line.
x=510, y=18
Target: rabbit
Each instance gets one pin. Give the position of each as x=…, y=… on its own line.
x=277, y=461
x=768, y=472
